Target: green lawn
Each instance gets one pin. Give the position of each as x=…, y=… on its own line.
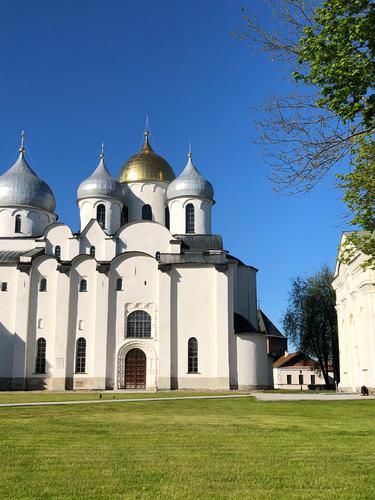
x=232, y=448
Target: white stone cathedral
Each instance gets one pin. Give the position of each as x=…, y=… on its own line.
x=143, y=297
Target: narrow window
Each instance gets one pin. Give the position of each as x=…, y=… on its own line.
x=146, y=212
x=58, y=252
x=312, y=378
x=119, y=284
x=193, y=355
x=4, y=286
x=43, y=285
x=83, y=286
x=40, y=361
x=81, y=355
x=167, y=218
x=289, y=379
x=17, y=225
x=157, y=256
x=139, y=325
x=40, y=323
x=190, y=218
x=92, y=251
x=300, y=379
x=100, y=214
x=124, y=215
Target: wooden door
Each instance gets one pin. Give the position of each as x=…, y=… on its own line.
x=135, y=369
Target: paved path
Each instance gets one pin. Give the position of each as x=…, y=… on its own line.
x=127, y=400
x=339, y=396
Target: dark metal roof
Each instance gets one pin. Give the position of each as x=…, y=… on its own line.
x=200, y=242
x=243, y=325
x=10, y=256
x=192, y=258
x=266, y=326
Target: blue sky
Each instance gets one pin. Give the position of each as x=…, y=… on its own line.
x=78, y=73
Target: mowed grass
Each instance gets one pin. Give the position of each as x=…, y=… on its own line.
x=46, y=396
x=231, y=448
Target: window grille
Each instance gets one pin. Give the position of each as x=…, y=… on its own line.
x=139, y=325
x=17, y=225
x=43, y=285
x=124, y=215
x=58, y=252
x=100, y=214
x=146, y=212
x=81, y=355
x=40, y=361
x=193, y=355
x=190, y=218
x=83, y=286
x=92, y=251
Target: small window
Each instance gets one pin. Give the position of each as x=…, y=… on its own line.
x=17, y=224
x=300, y=379
x=157, y=256
x=92, y=251
x=190, y=218
x=139, y=325
x=81, y=355
x=289, y=379
x=119, y=284
x=167, y=218
x=43, y=285
x=312, y=378
x=146, y=212
x=4, y=286
x=193, y=355
x=40, y=360
x=58, y=252
x=124, y=215
x=80, y=324
x=100, y=214
x=83, y=286
x=40, y=323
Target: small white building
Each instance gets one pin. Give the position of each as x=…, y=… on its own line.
x=295, y=370
x=355, y=305
x=144, y=296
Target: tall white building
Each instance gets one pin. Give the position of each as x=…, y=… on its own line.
x=143, y=296
x=355, y=305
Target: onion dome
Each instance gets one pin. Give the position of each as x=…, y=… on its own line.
x=146, y=166
x=190, y=183
x=20, y=186
x=100, y=184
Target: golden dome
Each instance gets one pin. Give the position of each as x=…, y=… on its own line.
x=146, y=166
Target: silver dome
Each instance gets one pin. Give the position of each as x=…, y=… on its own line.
x=100, y=184
x=21, y=186
x=190, y=183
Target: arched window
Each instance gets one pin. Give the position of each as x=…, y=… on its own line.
x=146, y=212
x=40, y=360
x=83, y=286
x=17, y=224
x=58, y=252
x=100, y=214
x=81, y=355
x=124, y=215
x=167, y=218
x=43, y=285
x=190, y=218
x=92, y=251
x=139, y=325
x=193, y=355
x=157, y=256
x=119, y=284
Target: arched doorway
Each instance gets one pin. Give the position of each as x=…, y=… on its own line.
x=135, y=370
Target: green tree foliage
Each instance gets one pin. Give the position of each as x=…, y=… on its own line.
x=359, y=196
x=310, y=321
x=339, y=49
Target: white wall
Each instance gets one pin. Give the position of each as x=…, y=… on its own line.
x=88, y=211
x=33, y=221
x=150, y=193
x=202, y=211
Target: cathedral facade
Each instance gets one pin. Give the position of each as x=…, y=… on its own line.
x=144, y=296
